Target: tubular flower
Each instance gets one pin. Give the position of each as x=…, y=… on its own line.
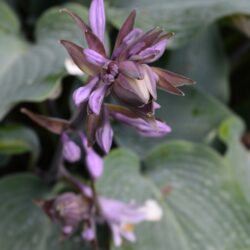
x=121, y=217
x=126, y=74
x=72, y=210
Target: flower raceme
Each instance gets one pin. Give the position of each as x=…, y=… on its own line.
x=126, y=73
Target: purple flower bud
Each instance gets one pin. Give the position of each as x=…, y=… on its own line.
x=71, y=150
x=104, y=135
x=97, y=18
x=82, y=94
x=95, y=58
x=93, y=161
x=68, y=209
x=142, y=126
x=96, y=98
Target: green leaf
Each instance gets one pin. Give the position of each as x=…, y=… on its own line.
x=185, y=17
x=18, y=140
x=204, y=61
x=23, y=224
x=32, y=72
x=193, y=117
x=209, y=214
x=122, y=181
x=237, y=156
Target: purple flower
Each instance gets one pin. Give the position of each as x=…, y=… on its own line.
x=124, y=115
x=122, y=217
x=125, y=74
x=71, y=210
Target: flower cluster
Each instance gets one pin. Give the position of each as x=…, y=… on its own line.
x=127, y=76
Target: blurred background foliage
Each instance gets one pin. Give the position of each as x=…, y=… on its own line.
x=200, y=173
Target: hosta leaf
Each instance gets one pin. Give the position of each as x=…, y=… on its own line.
x=32, y=72
x=204, y=61
x=209, y=214
x=17, y=140
x=237, y=156
x=122, y=181
x=23, y=224
x=185, y=17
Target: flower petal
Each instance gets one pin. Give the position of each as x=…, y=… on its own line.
x=95, y=58
x=129, y=118
x=94, y=43
x=139, y=92
x=150, y=80
x=131, y=69
x=97, y=18
x=104, y=134
x=125, y=29
x=71, y=68
x=175, y=79
x=165, y=84
x=78, y=57
x=96, y=98
x=82, y=94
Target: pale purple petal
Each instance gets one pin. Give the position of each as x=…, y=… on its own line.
x=82, y=94
x=94, y=57
x=71, y=151
x=120, y=212
x=96, y=98
x=156, y=105
x=104, y=136
x=97, y=18
x=130, y=236
x=88, y=234
x=116, y=233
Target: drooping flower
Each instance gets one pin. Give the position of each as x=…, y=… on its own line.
x=122, y=217
x=126, y=74
x=71, y=210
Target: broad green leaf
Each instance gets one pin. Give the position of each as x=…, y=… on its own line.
x=122, y=181
x=185, y=17
x=32, y=72
x=237, y=156
x=204, y=60
x=193, y=117
x=201, y=201
x=23, y=224
x=8, y=21
x=17, y=140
